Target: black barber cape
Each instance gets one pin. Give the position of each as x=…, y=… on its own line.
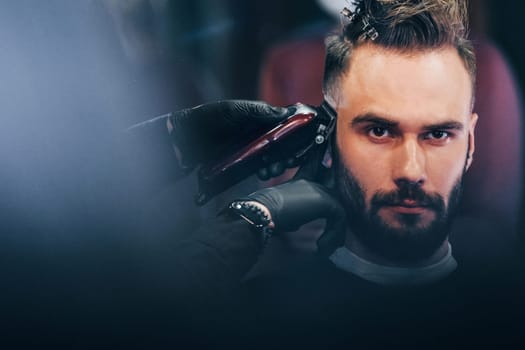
x=208, y=301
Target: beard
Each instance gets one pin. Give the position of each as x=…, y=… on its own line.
x=411, y=240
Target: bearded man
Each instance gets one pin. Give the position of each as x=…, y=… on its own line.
x=400, y=77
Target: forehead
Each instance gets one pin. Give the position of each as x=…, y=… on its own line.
x=408, y=86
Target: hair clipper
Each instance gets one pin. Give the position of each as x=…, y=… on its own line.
x=306, y=129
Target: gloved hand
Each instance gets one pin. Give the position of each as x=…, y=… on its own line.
x=211, y=136
x=298, y=202
x=209, y=131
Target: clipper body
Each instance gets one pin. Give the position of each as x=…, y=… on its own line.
x=306, y=128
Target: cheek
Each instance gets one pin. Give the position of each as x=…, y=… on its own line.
x=366, y=163
x=444, y=168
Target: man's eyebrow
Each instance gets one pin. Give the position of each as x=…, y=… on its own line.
x=372, y=118
x=448, y=125
x=385, y=122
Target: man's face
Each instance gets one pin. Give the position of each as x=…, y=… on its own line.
x=404, y=129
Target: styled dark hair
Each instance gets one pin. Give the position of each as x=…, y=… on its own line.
x=403, y=25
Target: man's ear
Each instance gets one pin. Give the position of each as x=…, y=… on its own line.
x=471, y=141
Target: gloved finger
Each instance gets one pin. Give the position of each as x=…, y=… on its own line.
x=226, y=118
x=276, y=169
x=263, y=174
x=291, y=162
x=258, y=110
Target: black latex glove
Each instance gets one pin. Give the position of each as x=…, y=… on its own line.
x=208, y=131
x=298, y=202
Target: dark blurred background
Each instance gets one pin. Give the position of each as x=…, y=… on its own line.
x=79, y=218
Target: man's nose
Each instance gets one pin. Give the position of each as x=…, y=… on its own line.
x=409, y=163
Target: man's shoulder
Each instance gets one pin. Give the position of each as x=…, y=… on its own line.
x=327, y=303
x=480, y=244
x=311, y=287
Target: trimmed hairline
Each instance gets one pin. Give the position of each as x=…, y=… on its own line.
x=403, y=51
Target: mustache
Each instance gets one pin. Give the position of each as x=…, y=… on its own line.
x=412, y=192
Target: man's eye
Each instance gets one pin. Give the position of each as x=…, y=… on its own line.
x=438, y=135
x=378, y=132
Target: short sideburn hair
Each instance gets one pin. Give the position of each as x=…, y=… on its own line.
x=402, y=25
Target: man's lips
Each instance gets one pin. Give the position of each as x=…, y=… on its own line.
x=408, y=206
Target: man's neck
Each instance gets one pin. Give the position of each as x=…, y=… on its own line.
x=356, y=247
